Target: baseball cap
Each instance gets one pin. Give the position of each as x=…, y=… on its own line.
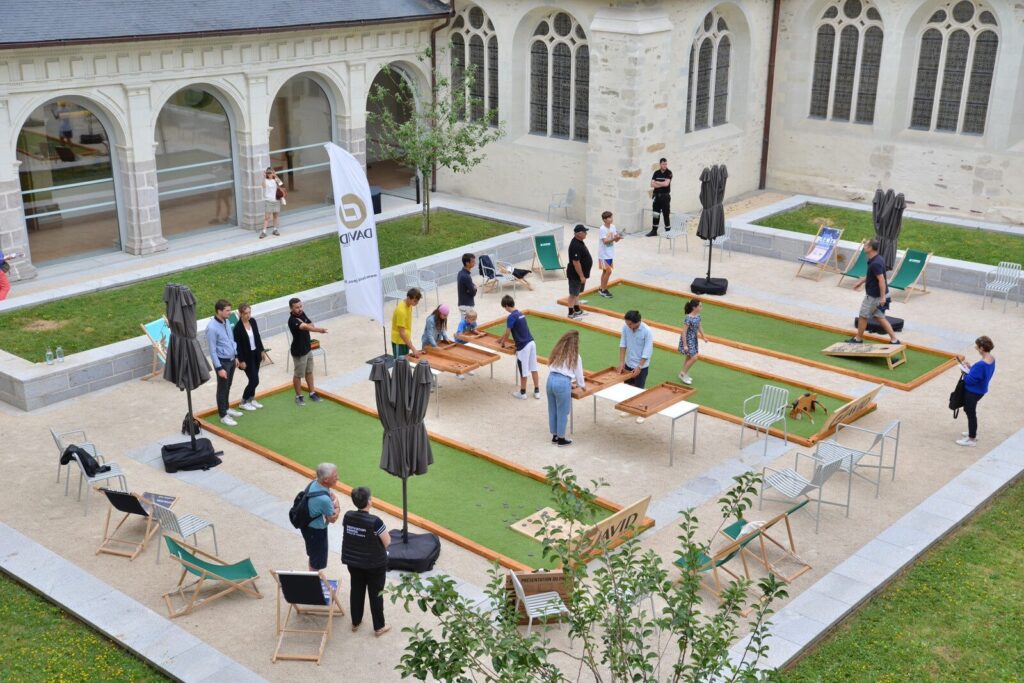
x=580, y=228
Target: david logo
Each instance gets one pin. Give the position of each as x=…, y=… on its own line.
x=353, y=215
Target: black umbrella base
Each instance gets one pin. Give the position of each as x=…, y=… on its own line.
x=715, y=286
x=874, y=327
x=418, y=555
x=185, y=456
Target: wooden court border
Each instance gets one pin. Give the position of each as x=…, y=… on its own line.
x=395, y=510
x=904, y=386
x=714, y=412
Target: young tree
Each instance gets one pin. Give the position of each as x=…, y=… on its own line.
x=615, y=637
x=436, y=132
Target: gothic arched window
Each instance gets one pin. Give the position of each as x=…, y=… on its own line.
x=707, y=99
x=847, y=57
x=560, y=78
x=473, y=42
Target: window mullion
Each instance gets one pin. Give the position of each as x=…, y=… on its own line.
x=940, y=78
x=713, y=78
x=551, y=68
x=572, y=93
x=856, y=74
x=966, y=86
x=837, y=41
x=694, y=71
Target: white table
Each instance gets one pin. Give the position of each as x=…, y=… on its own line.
x=618, y=393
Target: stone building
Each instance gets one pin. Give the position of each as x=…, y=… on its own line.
x=125, y=123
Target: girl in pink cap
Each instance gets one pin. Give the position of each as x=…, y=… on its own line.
x=436, y=329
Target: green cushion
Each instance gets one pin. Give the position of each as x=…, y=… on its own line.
x=239, y=571
x=734, y=530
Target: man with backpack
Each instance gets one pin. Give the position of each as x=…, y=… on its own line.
x=314, y=508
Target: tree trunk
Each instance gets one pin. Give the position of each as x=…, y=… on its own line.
x=425, y=219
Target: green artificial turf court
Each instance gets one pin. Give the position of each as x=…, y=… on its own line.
x=718, y=386
x=766, y=332
x=469, y=495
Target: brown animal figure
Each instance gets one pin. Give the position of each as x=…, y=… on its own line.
x=806, y=405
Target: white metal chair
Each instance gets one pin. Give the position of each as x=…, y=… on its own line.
x=1003, y=280
x=539, y=606
x=78, y=438
x=421, y=278
x=792, y=484
x=493, y=277
x=851, y=458
x=392, y=292
x=772, y=403
x=565, y=201
x=319, y=351
x=723, y=242
x=115, y=472
x=183, y=527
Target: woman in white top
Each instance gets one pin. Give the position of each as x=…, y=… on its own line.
x=565, y=370
x=250, y=354
x=271, y=204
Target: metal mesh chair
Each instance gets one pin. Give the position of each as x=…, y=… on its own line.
x=319, y=351
x=539, y=606
x=772, y=403
x=78, y=438
x=421, y=278
x=564, y=201
x=115, y=472
x=792, y=484
x=183, y=527
x=853, y=458
x=1003, y=280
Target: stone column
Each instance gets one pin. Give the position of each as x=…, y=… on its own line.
x=253, y=144
x=354, y=133
x=629, y=59
x=137, y=188
x=13, y=231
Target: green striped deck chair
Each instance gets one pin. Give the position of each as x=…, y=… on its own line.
x=910, y=272
x=546, y=252
x=708, y=566
x=240, y=576
x=788, y=554
x=858, y=266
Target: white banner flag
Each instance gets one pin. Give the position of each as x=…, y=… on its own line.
x=357, y=234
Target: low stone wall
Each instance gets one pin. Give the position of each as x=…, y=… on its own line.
x=748, y=237
x=30, y=386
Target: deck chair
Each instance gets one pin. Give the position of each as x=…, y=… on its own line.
x=130, y=504
x=493, y=277
x=565, y=201
x=909, y=272
x=772, y=405
x=792, y=484
x=822, y=254
x=185, y=526
x=858, y=267
x=78, y=438
x=305, y=593
x=1003, y=280
x=765, y=538
x=240, y=576
x=853, y=457
x=115, y=472
x=545, y=252
x=540, y=606
x=159, y=335
x=708, y=566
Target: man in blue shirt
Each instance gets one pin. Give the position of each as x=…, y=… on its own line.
x=526, y=348
x=323, y=510
x=876, y=296
x=636, y=346
x=464, y=283
x=221, y=342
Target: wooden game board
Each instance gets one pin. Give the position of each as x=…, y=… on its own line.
x=894, y=354
x=596, y=381
x=655, y=399
x=457, y=358
x=487, y=340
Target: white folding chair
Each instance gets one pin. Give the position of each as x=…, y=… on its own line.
x=421, y=278
x=539, y=606
x=182, y=527
x=493, y=277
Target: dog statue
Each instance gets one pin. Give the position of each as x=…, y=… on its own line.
x=806, y=405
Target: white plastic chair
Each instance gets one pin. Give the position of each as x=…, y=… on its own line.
x=78, y=438
x=314, y=352
x=772, y=403
x=565, y=201
x=539, y=606
x=792, y=484
x=723, y=242
x=183, y=527
x=115, y=472
x=1003, y=280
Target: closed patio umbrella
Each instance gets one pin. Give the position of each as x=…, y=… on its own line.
x=889, y=225
x=712, y=224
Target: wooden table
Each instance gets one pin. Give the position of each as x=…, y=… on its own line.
x=458, y=359
x=894, y=354
x=624, y=392
x=596, y=381
x=655, y=399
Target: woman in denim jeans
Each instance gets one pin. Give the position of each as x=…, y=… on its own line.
x=565, y=370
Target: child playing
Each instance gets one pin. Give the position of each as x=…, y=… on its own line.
x=688, y=340
x=467, y=324
x=526, y=348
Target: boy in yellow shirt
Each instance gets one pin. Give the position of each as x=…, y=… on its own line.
x=401, y=325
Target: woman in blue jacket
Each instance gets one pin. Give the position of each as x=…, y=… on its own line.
x=975, y=386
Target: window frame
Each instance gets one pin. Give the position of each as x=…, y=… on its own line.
x=694, y=66
x=574, y=41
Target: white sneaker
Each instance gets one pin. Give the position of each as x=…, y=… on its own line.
x=226, y=420
x=536, y=394
x=640, y=420
x=687, y=380
x=255, y=404
x=471, y=373
x=622, y=413
x=519, y=395
x=461, y=378
x=967, y=441
x=967, y=434
x=235, y=413
x=247, y=406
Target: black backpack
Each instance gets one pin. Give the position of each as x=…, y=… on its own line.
x=299, y=514
x=956, y=397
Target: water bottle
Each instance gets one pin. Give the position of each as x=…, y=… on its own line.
x=49, y=356
x=60, y=354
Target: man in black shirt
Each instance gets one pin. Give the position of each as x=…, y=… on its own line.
x=661, y=184
x=364, y=551
x=464, y=283
x=578, y=271
x=300, y=326
x=876, y=295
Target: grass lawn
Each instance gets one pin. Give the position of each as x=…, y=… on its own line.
x=951, y=241
x=717, y=386
x=764, y=332
x=489, y=497
x=956, y=615
x=40, y=642
x=90, y=320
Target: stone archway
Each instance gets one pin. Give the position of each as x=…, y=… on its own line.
x=382, y=169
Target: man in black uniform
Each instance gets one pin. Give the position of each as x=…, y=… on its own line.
x=578, y=271
x=661, y=183
x=364, y=550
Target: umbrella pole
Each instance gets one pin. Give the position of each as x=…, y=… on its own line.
x=191, y=420
x=384, y=333
x=711, y=248
x=405, y=512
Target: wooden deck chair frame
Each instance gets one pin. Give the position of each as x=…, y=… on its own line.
x=538, y=259
x=853, y=264
x=159, y=347
x=764, y=534
x=921, y=275
x=191, y=594
x=719, y=558
x=296, y=609
x=830, y=262
x=113, y=544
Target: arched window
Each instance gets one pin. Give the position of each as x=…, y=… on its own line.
x=67, y=182
x=707, y=98
x=194, y=167
x=954, y=69
x=473, y=42
x=845, y=81
x=300, y=122
x=560, y=79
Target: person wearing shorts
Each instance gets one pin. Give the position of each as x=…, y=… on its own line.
x=607, y=237
x=875, y=296
x=271, y=204
x=401, y=325
x=300, y=326
x=580, y=263
x=323, y=510
x=526, y=348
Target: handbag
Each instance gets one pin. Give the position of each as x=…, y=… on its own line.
x=956, y=397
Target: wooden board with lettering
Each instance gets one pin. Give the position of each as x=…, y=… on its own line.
x=655, y=399
x=596, y=381
x=611, y=531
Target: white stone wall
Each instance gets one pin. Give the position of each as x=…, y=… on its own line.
x=952, y=173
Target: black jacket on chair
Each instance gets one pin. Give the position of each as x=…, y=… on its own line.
x=245, y=354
